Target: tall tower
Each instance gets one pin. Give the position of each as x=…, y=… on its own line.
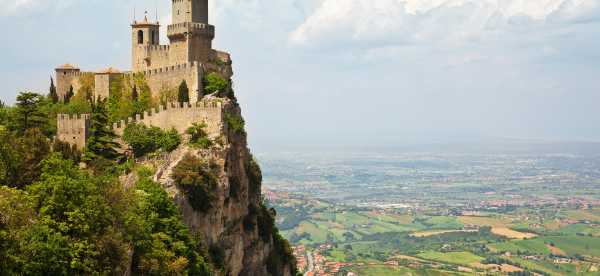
x=190, y=11
x=190, y=34
x=143, y=35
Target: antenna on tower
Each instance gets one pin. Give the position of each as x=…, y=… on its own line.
x=133, y=13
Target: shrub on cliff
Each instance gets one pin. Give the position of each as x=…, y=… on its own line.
x=144, y=140
x=213, y=82
x=254, y=176
x=198, y=136
x=198, y=182
x=235, y=123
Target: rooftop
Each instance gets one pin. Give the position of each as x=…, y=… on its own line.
x=67, y=66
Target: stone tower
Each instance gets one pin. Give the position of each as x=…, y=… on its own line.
x=190, y=34
x=144, y=35
x=67, y=76
x=190, y=11
x=190, y=38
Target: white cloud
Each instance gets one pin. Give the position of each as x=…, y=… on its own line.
x=408, y=21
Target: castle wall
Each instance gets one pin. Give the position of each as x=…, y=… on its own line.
x=180, y=117
x=170, y=77
x=73, y=129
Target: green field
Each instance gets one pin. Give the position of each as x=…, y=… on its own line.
x=459, y=258
x=429, y=244
x=381, y=270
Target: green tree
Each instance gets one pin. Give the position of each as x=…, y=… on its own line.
x=198, y=182
x=184, y=93
x=69, y=95
x=20, y=157
x=166, y=247
x=198, y=136
x=213, y=82
x=27, y=113
x=144, y=140
x=4, y=115
x=34, y=147
x=68, y=151
x=134, y=93
x=75, y=233
x=52, y=95
x=101, y=147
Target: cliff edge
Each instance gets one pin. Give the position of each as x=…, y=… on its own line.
x=227, y=212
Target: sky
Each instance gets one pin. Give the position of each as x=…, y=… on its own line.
x=354, y=72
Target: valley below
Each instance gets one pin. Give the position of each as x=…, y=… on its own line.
x=374, y=213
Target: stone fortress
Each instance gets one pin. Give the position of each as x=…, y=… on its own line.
x=187, y=58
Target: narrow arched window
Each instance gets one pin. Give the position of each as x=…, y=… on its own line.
x=153, y=38
x=140, y=37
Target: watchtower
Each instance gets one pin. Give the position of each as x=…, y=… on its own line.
x=190, y=11
x=143, y=35
x=190, y=34
x=67, y=77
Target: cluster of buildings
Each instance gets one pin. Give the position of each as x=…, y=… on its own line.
x=188, y=57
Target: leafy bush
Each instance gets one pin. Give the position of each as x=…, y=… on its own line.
x=235, y=122
x=144, y=140
x=199, y=137
x=213, y=82
x=68, y=151
x=197, y=181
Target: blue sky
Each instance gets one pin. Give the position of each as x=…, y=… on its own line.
x=355, y=72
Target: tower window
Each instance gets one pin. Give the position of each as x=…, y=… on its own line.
x=153, y=37
x=140, y=37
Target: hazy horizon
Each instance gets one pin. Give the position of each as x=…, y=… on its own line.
x=355, y=73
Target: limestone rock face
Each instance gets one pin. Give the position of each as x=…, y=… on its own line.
x=222, y=226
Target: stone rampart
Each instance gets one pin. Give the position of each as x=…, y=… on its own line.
x=180, y=116
x=73, y=129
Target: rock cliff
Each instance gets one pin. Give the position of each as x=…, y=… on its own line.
x=237, y=228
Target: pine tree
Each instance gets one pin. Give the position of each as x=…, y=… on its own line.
x=184, y=93
x=28, y=114
x=100, y=147
x=134, y=93
x=53, y=95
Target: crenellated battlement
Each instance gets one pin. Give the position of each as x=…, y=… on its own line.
x=73, y=73
x=173, y=68
x=180, y=29
x=74, y=129
x=179, y=116
x=159, y=48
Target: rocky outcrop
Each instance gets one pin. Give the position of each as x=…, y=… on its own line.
x=230, y=225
